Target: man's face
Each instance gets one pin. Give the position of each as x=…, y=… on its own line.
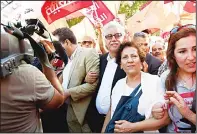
x=64, y=45
x=158, y=50
x=88, y=42
x=113, y=39
x=142, y=43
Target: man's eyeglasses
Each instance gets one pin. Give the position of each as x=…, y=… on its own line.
x=176, y=29
x=88, y=42
x=110, y=36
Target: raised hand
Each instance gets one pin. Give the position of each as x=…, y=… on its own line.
x=173, y=97
x=48, y=46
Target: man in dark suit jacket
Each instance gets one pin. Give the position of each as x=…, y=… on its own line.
x=110, y=73
x=151, y=64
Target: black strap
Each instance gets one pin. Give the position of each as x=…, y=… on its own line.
x=39, y=51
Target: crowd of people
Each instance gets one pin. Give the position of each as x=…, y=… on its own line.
x=124, y=86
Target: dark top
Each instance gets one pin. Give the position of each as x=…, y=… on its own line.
x=153, y=64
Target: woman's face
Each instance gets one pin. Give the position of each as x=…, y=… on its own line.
x=185, y=54
x=130, y=60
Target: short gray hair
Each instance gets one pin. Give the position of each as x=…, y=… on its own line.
x=113, y=24
x=140, y=34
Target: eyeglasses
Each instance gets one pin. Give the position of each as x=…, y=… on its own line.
x=88, y=42
x=177, y=28
x=110, y=36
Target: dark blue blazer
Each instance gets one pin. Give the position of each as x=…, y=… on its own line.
x=153, y=64
x=94, y=119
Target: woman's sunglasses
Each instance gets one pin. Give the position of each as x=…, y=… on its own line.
x=176, y=29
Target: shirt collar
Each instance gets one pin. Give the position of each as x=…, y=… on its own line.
x=73, y=54
x=110, y=59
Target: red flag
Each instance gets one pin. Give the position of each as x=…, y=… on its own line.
x=54, y=10
x=190, y=6
x=167, y=1
x=98, y=13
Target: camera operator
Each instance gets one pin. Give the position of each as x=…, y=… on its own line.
x=26, y=91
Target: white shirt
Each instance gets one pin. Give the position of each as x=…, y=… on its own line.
x=104, y=93
x=66, y=71
x=151, y=93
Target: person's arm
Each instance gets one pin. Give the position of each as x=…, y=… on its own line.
x=174, y=98
x=107, y=119
x=152, y=124
x=100, y=40
x=83, y=90
x=58, y=97
x=191, y=116
x=145, y=125
x=61, y=78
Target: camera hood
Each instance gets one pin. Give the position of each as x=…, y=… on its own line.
x=13, y=51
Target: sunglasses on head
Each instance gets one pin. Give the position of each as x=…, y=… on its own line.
x=88, y=42
x=140, y=34
x=176, y=29
x=110, y=36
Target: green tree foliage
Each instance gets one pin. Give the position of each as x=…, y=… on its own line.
x=75, y=21
x=130, y=10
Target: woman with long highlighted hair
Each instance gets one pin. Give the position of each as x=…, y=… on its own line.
x=180, y=80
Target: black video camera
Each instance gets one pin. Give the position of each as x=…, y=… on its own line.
x=20, y=48
x=17, y=45
x=32, y=26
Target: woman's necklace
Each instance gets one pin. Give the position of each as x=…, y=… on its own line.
x=184, y=82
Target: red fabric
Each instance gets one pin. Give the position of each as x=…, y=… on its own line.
x=57, y=63
x=187, y=95
x=165, y=35
x=98, y=12
x=167, y=1
x=190, y=6
x=54, y=10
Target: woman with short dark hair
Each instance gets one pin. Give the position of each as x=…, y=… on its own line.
x=133, y=96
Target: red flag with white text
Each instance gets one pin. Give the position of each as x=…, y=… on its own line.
x=98, y=13
x=54, y=10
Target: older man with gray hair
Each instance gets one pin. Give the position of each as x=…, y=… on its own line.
x=151, y=63
x=158, y=50
x=114, y=34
